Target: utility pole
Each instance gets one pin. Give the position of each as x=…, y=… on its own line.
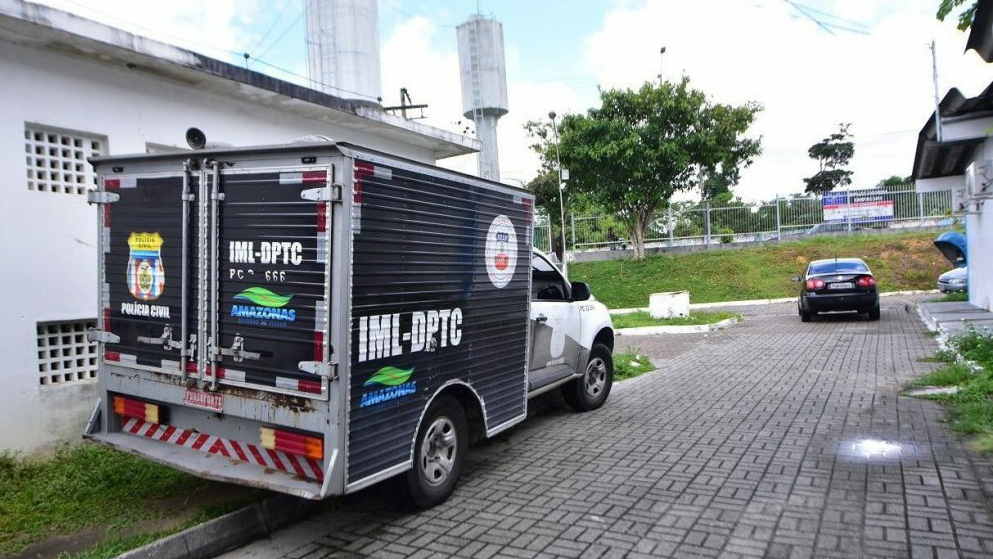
x=937, y=101
x=558, y=163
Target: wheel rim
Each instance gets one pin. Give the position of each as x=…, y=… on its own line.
x=438, y=451
x=596, y=377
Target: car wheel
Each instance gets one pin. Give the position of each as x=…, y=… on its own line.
x=439, y=453
x=805, y=316
x=590, y=391
x=874, y=313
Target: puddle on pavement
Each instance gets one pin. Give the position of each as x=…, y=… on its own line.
x=871, y=449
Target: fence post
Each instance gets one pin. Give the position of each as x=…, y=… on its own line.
x=573, y=219
x=706, y=227
x=779, y=222
x=672, y=226
x=920, y=205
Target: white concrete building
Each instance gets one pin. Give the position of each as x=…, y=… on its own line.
x=955, y=152
x=73, y=88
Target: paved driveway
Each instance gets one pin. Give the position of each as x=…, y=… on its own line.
x=773, y=438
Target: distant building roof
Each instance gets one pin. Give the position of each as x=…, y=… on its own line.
x=935, y=159
x=45, y=28
x=981, y=32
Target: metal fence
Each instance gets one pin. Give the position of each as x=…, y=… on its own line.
x=698, y=224
x=542, y=234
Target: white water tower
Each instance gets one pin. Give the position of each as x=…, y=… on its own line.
x=484, y=86
x=343, y=49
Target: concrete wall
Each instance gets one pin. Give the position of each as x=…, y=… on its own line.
x=49, y=239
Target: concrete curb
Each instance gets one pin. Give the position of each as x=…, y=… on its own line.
x=229, y=531
x=755, y=302
x=694, y=329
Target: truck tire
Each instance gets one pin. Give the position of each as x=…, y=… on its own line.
x=439, y=453
x=590, y=391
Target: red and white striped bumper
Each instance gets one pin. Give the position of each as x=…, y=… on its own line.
x=301, y=466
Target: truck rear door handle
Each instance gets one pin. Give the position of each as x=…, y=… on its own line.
x=541, y=318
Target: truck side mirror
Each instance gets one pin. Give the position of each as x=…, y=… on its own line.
x=580, y=291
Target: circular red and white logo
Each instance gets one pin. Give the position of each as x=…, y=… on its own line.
x=501, y=251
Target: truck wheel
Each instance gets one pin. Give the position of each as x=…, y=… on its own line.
x=590, y=391
x=439, y=453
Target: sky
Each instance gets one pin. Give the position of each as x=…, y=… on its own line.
x=811, y=65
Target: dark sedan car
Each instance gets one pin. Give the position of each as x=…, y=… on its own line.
x=837, y=284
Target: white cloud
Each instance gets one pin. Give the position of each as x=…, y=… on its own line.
x=807, y=79
x=763, y=50
x=213, y=28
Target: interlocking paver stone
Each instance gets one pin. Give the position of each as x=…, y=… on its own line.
x=773, y=438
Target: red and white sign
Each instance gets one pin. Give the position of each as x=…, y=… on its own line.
x=203, y=399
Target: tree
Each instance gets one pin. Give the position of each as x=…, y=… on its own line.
x=896, y=183
x=631, y=154
x=965, y=18
x=833, y=154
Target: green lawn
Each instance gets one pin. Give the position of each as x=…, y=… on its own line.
x=105, y=492
x=900, y=262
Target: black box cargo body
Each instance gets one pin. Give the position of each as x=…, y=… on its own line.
x=284, y=316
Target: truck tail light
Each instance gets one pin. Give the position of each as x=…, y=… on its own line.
x=866, y=281
x=137, y=409
x=815, y=284
x=293, y=443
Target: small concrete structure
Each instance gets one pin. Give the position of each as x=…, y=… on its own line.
x=672, y=304
x=951, y=319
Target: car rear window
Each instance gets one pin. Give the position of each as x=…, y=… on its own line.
x=838, y=267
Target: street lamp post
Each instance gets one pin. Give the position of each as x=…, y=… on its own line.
x=558, y=163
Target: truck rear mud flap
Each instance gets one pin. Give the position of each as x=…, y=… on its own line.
x=220, y=459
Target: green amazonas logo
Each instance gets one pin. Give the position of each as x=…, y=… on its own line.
x=390, y=376
x=397, y=382
x=266, y=308
x=263, y=297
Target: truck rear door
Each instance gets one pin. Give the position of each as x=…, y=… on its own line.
x=272, y=264
x=146, y=236
x=224, y=269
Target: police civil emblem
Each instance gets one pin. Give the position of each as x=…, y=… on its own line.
x=146, y=275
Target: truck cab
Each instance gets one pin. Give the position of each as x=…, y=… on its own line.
x=571, y=339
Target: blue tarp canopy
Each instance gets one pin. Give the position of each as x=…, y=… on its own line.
x=952, y=244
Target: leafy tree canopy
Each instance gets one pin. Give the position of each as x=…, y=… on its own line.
x=895, y=182
x=638, y=148
x=946, y=7
x=833, y=154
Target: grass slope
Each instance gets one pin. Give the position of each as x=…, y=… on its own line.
x=906, y=261
x=90, y=495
